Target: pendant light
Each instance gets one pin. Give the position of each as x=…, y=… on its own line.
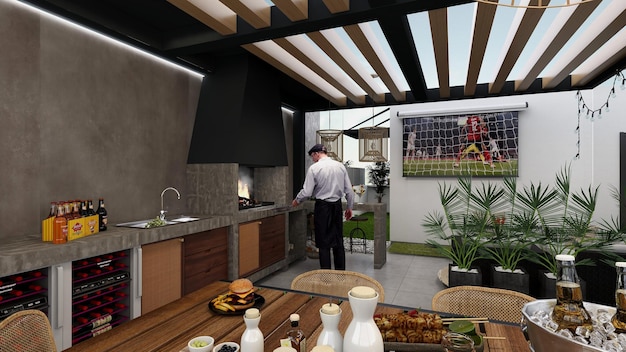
x=373, y=143
x=332, y=140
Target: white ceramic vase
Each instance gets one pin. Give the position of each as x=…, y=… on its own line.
x=330, y=334
x=362, y=334
x=252, y=337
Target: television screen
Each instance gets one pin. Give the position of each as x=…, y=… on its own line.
x=461, y=145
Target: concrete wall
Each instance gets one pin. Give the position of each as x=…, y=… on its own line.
x=547, y=142
x=83, y=117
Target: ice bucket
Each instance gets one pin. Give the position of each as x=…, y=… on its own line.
x=543, y=340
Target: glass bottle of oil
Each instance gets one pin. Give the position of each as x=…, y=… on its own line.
x=295, y=336
x=619, y=319
x=569, y=311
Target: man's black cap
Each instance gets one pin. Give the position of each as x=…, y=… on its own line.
x=317, y=148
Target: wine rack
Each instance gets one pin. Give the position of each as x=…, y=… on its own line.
x=100, y=294
x=23, y=291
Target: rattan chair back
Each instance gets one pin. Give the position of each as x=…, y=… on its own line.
x=27, y=330
x=477, y=301
x=335, y=283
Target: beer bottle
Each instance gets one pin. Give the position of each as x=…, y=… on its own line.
x=59, y=234
x=53, y=208
x=90, y=210
x=102, y=214
x=83, y=208
x=619, y=319
x=569, y=311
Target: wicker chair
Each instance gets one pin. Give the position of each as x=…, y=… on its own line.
x=27, y=330
x=335, y=283
x=477, y=301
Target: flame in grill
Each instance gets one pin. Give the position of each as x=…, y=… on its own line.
x=242, y=190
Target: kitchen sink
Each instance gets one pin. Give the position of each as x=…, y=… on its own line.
x=141, y=224
x=184, y=219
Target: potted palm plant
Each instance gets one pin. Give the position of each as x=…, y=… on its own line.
x=510, y=241
x=458, y=233
x=564, y=224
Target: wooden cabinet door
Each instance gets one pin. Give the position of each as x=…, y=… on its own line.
x=248, y=247
x=160, y=274
x=272, y=240
x=205, y=259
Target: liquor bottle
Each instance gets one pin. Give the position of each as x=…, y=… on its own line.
x=252, y=337
x=90, y=210
x=619, y=319
x=295, y=337
x=59, y=234
x=102, y=215
x=569, y=311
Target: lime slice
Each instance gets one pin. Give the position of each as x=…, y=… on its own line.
x=478, y=339
x=463, y=327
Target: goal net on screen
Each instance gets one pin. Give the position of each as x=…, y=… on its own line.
x=455, y=145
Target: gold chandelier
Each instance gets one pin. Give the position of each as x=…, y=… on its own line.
x=534, y=4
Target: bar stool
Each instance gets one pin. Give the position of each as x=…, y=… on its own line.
x=356, y=232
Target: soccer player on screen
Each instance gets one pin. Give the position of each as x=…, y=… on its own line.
x=473, y=131
x=410, y=145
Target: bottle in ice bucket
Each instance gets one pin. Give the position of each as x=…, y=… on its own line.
x=569, y=311
x=619, y=319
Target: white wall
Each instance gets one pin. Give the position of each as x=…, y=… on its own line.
x=547, y=142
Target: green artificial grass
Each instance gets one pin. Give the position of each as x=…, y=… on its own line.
x=414, y=249
x=367, y=226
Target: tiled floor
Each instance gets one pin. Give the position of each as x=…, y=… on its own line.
x=409, y=281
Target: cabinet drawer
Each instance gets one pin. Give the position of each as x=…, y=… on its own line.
x=273, y=225
x=204, y=260
x=201, y=279
x=208, y=239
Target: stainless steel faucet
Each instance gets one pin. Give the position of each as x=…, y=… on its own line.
x=162, y=213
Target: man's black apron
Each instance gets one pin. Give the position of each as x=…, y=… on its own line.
x=328, y=224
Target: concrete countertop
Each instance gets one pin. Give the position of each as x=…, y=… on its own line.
x=27, y=253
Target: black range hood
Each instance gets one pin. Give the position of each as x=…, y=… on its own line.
x=239, y=115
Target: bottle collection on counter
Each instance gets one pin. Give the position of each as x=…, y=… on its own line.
x=73, y=219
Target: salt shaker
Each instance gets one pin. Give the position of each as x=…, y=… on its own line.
x=330, y=314
x=252, y=338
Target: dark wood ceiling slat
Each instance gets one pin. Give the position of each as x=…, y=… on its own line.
x=483, y=24
x=439, y=33
x=581, y=13
x=605, y=35
x=348, y=68
x=366, y=48
x=527, y=25
x=285, y=69
x=312, y=64
x=398, y=34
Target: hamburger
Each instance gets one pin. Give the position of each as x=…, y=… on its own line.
x=241, y=294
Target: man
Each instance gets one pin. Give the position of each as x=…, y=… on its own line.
x=475, y=129
x=410, y=146
x=327, y=180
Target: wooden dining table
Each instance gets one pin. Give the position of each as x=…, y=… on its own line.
x=170, y=327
